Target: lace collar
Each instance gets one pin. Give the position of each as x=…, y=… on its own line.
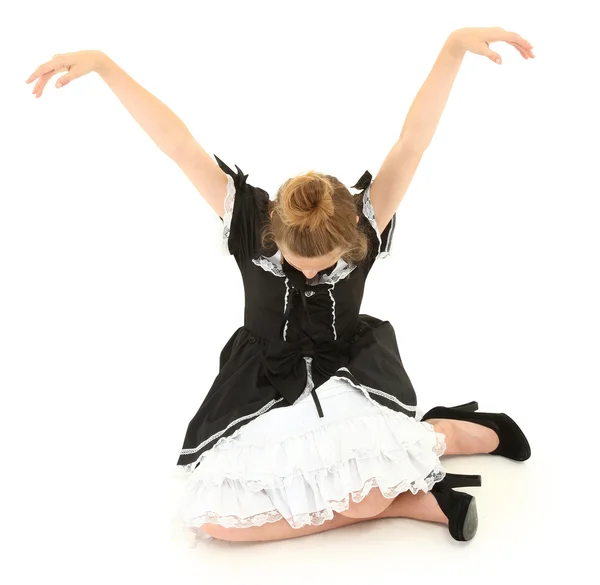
x=331, y=275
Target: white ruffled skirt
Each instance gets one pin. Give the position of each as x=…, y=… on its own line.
x=291, y=464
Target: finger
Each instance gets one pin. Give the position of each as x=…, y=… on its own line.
x=523, y=43
x=45, y=78
x=493, y=56
x=41, y=70
x=514, y=37
x=65, y=79
x=57, y=62
x=523, y=54
x=41, y=83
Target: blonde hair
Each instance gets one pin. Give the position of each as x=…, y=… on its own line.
x=314, y=214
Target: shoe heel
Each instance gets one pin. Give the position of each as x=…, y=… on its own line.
x=457, y=480
x=460, y=508
x=468, y=407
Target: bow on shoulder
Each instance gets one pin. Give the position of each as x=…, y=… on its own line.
x=364, y=181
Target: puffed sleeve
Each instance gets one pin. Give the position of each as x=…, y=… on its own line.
x=246, y=210
x=381, y=243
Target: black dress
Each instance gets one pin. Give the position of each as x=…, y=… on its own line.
x=312, y=405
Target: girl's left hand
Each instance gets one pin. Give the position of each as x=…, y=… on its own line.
x=477, y=40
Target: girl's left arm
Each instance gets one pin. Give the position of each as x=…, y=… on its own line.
x=422, y=119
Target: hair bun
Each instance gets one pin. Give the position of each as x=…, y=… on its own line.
x=306, y=200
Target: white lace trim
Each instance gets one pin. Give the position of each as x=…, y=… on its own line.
x=190, y=467
x=273, y=264
x=285, y=302
x=320, y=516
x=367, y=389
x=333, y=311
x=228, y=205
x=369, y=213
x=269, y=264
x=340, y=271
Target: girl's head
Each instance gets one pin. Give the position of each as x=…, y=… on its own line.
x=314, y=223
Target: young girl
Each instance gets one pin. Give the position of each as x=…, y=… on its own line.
x=311, y=422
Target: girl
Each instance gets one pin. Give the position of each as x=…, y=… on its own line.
x=311, y=422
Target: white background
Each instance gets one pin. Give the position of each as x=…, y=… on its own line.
x=116, y=297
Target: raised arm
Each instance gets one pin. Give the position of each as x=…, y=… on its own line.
x=398, y=168
x=167, y=131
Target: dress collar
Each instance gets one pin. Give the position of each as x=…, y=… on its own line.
x=289, y=269
x=328, y=276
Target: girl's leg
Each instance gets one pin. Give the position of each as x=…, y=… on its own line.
x=279, y=530
x=465, y=438
x=422, y=506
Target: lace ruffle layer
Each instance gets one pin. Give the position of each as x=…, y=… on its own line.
x=306, y=478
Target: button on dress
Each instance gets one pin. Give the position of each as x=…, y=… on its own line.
x=311, y=407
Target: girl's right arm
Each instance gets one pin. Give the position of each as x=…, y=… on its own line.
x=167, y=131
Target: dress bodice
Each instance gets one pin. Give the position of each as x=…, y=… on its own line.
x=297, y=333
x=280, y=303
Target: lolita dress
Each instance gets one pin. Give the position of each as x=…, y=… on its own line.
x=311, y=407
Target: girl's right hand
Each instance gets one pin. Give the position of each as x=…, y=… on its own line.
x=76, y=64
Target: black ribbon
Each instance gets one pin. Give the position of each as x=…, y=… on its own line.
x=284, y=364
x=364, y=181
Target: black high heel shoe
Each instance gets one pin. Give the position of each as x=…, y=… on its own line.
x=458, y=507
x=513, y=443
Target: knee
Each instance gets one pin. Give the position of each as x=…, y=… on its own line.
x=372, y=505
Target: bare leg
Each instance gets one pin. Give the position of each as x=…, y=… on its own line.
x=465, y=438
x=372, y=504
x=422, y=506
